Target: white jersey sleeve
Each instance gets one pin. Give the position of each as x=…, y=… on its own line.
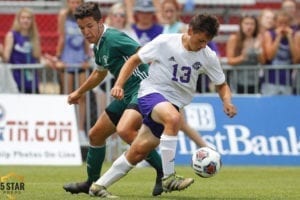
x=149, y=52
x=213, y=68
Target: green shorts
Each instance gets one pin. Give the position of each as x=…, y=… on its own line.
x=116, y=108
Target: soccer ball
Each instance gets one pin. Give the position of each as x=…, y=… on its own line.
x=206, y=162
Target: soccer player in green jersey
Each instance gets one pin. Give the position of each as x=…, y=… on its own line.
x=111, y=49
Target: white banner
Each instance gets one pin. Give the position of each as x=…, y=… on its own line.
x=38, y=130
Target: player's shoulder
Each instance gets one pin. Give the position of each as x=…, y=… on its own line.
x=209, y=57
x=168, y=37
x=113, y=34
x=209, y=53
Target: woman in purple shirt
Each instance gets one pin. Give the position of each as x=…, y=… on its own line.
x=22, y=46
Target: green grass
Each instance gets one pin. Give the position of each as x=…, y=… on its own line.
x=247, y=183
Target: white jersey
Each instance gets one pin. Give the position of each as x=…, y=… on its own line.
x=174, y=70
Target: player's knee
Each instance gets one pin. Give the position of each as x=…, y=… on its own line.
x=173, y=121
x=126, y=134
x=95, y=137
x=142, y=150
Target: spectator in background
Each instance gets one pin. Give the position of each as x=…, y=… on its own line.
x=7, y=82
x=170, y=10
x=117, y=18
x=266, y=22
x=290, y=6
x=244, y=48
x=22, y=46
x=73, y=57
x=145, y=27
x=129, y=5
x=280, y=49
x=296, y=72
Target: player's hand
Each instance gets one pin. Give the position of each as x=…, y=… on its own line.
x=230, y=110
x=117, y=92
x=74, y=97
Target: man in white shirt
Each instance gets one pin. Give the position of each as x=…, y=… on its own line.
x=176, y=61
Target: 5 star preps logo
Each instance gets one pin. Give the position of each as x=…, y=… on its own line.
x=11, y=185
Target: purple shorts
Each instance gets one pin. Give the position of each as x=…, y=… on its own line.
x=146, y=105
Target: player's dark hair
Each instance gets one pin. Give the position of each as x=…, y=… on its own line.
x=205, y=23
x=89, y=9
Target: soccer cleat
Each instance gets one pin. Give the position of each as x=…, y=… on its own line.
x=100, y=191
x=158, y=189
x=75, y=188
x=176, y=183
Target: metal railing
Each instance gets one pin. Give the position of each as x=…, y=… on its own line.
x=256, y=76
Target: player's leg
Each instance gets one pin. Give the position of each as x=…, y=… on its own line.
x=139, y=149
x=165, y=113
x=102, y=129
x=190, y=132
x=127, y=129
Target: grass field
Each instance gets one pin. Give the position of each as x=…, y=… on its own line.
x=45, y=183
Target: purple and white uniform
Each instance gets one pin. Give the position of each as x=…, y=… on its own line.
x=173, y=73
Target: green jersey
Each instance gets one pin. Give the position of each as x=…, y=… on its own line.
x=112, y=51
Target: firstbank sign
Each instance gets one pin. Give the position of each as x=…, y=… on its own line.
x=243, y=140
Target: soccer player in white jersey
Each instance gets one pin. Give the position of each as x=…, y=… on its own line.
x=176, y=61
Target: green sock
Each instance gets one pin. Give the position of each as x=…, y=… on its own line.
x=94, y=161
x=154, y=160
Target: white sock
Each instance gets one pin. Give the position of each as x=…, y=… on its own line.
x=168, y=146
x=119, y=168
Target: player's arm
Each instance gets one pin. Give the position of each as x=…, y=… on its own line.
x=96, y=77
x=225, y=94
x=126, y=71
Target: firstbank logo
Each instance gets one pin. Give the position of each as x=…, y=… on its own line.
x=11, y=185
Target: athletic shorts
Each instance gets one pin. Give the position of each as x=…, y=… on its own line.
x=117, y=107
x=146, y=105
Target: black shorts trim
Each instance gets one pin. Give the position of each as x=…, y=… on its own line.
x=115, y=118
x=134, y=107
